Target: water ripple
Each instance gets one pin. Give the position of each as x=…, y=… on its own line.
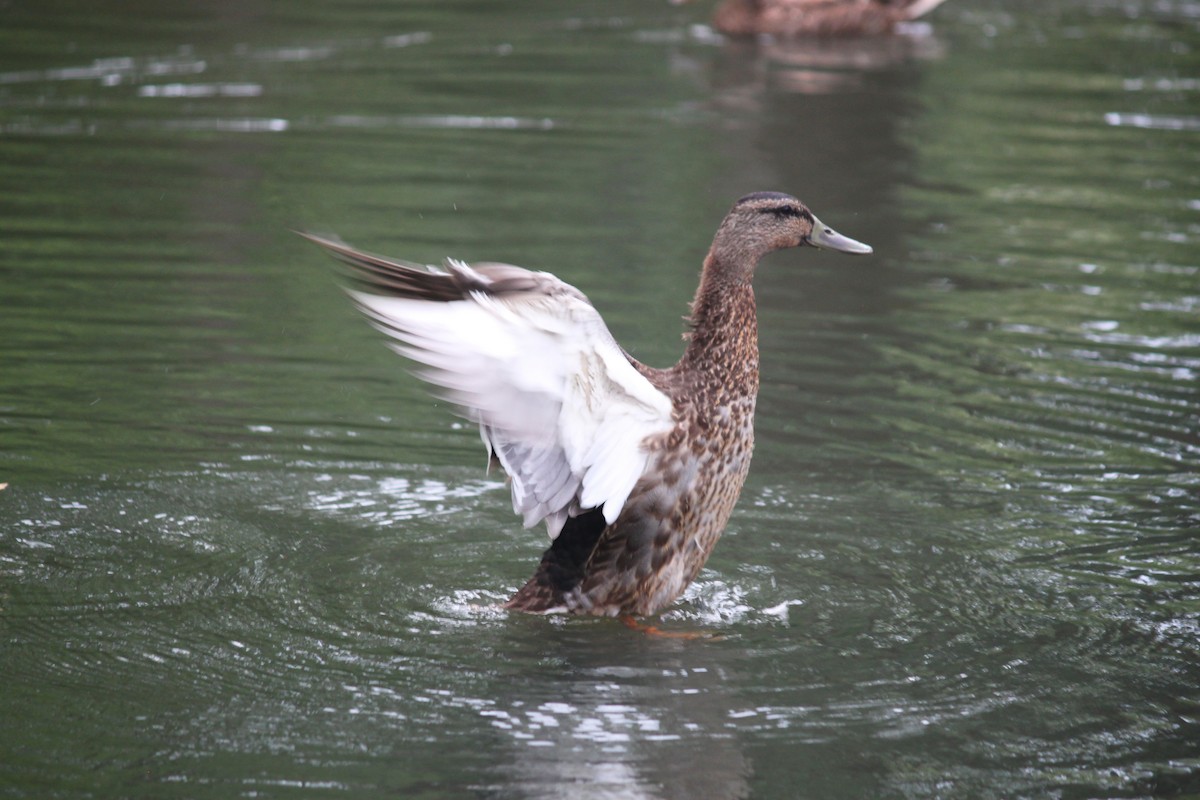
x=1152, y=121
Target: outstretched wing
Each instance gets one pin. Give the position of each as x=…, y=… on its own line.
x=527, y=357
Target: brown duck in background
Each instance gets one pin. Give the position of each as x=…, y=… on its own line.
x=817, y=17
x=634, y=470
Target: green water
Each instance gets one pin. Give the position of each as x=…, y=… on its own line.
x=242, y=554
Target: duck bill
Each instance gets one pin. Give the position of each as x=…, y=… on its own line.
x=827, y=238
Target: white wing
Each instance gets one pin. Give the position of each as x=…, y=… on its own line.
x=555, y=397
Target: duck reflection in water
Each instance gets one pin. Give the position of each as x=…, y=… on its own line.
x=649, y=721
x=818, y=17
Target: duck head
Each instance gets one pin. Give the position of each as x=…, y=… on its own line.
x=763, y=222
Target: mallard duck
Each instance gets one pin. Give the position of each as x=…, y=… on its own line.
x=633, y=470
x=817, y=17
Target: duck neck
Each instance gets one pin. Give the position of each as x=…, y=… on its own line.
x=723, y=343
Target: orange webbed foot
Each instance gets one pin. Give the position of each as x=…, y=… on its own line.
x=650, y=630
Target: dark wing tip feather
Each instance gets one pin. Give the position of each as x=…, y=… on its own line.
x=389, y=276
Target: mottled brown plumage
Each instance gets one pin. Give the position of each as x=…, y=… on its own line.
x=817, y=17
x=691, y=443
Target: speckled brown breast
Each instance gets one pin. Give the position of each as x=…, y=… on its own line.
x=675, y=516
x=671, y=523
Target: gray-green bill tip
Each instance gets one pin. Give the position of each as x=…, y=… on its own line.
x=826, y=237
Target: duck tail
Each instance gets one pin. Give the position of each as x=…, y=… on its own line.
x=563, y=566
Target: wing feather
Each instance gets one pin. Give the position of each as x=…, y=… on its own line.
x=529, y=359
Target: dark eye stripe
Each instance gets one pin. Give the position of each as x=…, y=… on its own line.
x=781, y=212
